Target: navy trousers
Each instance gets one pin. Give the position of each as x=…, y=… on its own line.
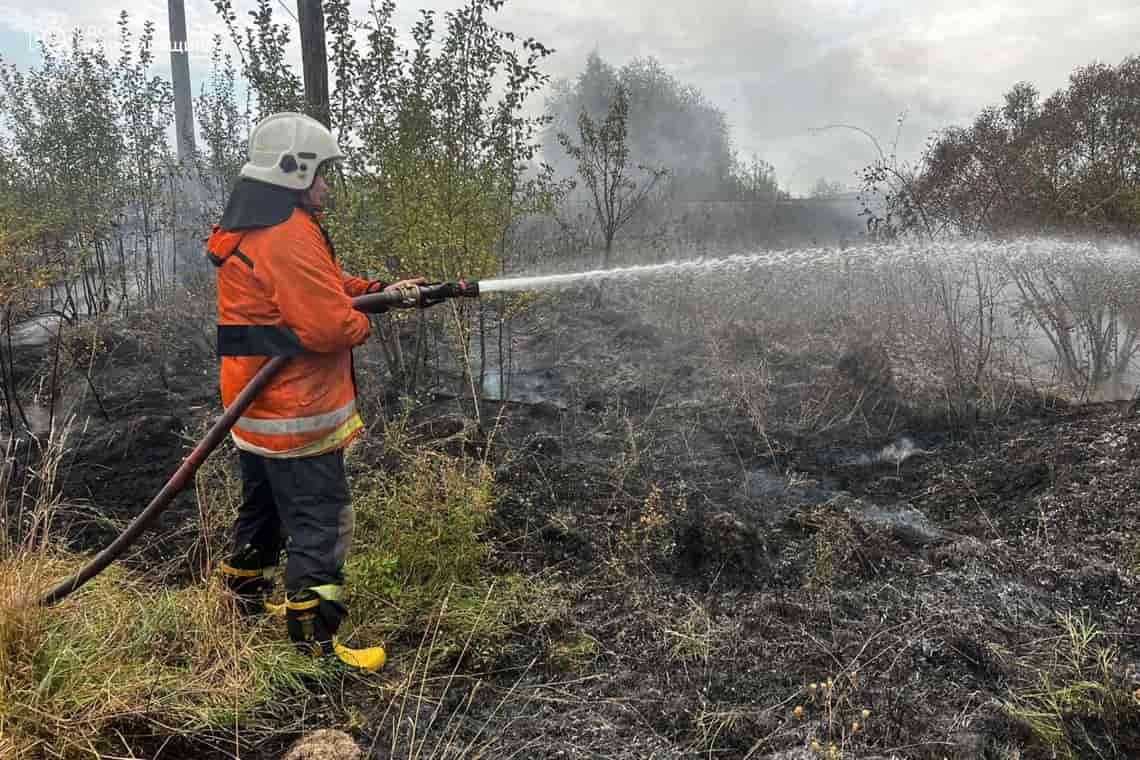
x=301, y=505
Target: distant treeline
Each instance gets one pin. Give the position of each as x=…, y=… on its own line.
x=671, y=126
x=1068, y=163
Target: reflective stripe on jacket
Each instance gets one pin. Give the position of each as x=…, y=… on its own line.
x=282, y=292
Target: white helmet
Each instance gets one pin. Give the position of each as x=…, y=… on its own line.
x=286, y=149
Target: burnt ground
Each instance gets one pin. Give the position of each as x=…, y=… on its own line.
x=706, y=562
x=133, y=395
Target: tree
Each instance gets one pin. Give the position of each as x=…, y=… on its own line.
x=1068, y=164
x=263, y=49
x=826, y=189
x=668, y=124
x=87, y=147
x=147, y=104
x=437, y=139
x=603, y=159
x=225, y=131
x=757, y=181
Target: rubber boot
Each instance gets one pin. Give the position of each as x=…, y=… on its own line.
x=313, y=617
x=248, y=580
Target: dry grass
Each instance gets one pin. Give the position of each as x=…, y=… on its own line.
x=1071, y=689
x=122, y=656
x=694, y=636
x=415, y=724
x=421, y=535
x=833, y=703
x=128, y=661
x=325, y=744
x=835, y=546
x=953, y=335
x=576, y=652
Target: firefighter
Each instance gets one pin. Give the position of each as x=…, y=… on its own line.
x=281, y=291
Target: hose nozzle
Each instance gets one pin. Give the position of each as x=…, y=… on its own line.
x=412, y=296
x=430, y=295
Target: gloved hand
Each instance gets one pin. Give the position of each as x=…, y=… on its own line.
x=404, y=284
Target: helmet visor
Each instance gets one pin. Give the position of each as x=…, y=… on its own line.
x=332, y=174
x=331, y=170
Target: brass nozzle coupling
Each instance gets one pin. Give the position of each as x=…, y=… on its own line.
x=408, y=296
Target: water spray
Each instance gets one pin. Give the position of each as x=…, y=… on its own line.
x=1008, y=254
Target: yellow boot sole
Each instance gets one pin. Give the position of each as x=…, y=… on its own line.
x=368, y=658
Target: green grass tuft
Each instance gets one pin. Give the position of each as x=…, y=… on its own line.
x=124, y=656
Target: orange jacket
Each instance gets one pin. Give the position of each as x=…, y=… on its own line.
x=282, y=292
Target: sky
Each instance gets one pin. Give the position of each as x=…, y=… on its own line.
x=780, y=69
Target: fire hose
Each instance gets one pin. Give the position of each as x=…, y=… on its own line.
x=412, y=296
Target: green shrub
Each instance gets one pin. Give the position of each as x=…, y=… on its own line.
x=1071, y=690
x=421, y=528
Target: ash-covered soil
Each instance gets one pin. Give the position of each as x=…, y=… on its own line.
x=712, y=554
x=928, y=569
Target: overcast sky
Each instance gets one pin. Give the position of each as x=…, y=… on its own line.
x=778, y=68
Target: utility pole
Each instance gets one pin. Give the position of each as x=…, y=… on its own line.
x=183, y=185
x=180, y=72
x=314, y=59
